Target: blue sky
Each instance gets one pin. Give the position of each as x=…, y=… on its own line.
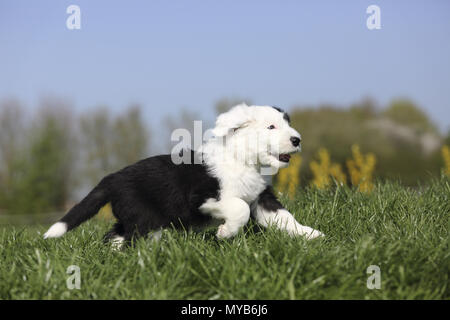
x=168, y=55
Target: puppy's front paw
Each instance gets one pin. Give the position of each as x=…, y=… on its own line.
x=223, y=232
x=307, y=232
x=314, y=234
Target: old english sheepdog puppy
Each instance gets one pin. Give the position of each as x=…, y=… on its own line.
x=222, y=180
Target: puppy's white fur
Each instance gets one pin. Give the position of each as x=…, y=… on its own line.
x=242, y=146
x=56, y=230
x=284, y=220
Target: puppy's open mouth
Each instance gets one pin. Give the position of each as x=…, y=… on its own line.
x=284, y=157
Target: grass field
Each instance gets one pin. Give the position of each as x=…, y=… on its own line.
x=403, y=231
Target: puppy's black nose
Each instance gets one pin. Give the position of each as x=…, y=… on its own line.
x=295, y=141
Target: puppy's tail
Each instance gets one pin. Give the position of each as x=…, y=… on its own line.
x=86, y=209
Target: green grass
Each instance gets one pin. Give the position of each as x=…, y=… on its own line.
x=403, y=231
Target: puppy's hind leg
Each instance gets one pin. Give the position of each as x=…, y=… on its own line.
x=139, y=218
x=115, y=236
x=116, y=230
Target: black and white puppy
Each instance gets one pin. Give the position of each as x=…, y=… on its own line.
x=220, y=181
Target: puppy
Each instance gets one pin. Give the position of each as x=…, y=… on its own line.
x=222, y=180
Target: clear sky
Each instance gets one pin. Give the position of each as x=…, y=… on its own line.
x=168, y=55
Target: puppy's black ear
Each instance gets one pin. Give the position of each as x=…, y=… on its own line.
x=236, y=118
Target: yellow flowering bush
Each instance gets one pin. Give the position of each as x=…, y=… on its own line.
x=361, y=169
x=323, y=170
x=446, y=155
x=288, y=179
x=337, y=173
x=105, y=213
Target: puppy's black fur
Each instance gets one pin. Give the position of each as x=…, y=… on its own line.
x=268, y=201
x=151, y=194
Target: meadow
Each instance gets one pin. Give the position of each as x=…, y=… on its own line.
x=403, y=231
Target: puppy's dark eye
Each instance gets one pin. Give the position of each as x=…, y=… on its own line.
x=271, y=127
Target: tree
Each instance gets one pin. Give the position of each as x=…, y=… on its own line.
x=395, y=135
x=131, y=138
x=109, y=144
x=41, y=176
x=11, y=140
x=96, y=135
x=183, y=120
x=405, y=112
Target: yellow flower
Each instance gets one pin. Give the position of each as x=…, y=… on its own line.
x=361, y=169
x=446, y=155
x=288, y=179
x=321, y=169
x=105, y=212
x=337, y=173
x=324, y=170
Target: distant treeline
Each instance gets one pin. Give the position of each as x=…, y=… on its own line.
x=47, y=157
x=406, y=143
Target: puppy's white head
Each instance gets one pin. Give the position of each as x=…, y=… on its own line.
x=261, y=134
